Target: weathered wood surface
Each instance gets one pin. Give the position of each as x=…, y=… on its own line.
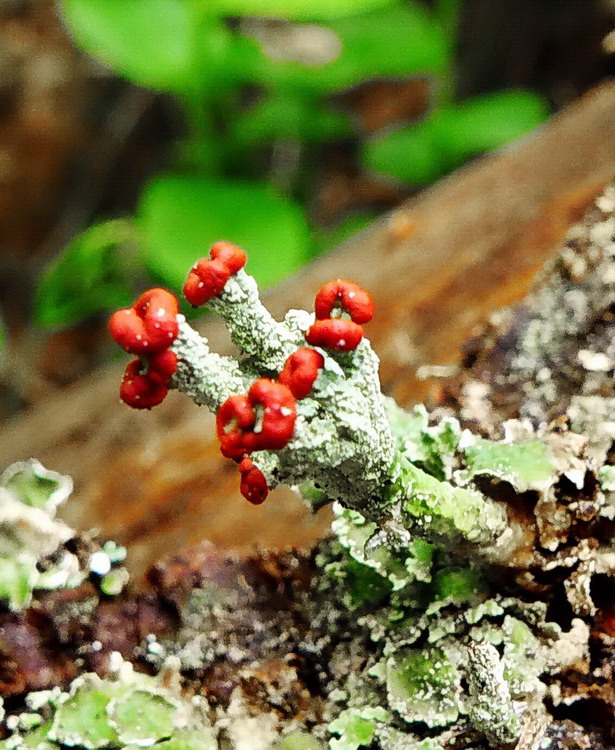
x=436, y=266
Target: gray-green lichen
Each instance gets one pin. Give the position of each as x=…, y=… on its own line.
x=345, y=445
x=448, y=653
x=431, y=622
x=491, y=708
x=420, y=517
x=29, y=533
x=342, y=438
x=126, y=710
x=33, y=555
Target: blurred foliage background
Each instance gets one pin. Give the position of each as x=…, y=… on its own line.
x=134, y=133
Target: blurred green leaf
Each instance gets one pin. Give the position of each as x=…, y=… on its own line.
x=90, y=276
x=409, y=154
x=453, y=134
x=483, y=124
x=285, y=115
x=181, y=217
x=399, y=41
x=296, y=10
x=171, y=45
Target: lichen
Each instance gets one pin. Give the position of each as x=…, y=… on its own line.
x=454, y=605
x=125, y=710
x=526, y=466
x=356, y=727
x=29, y=533
x=300, y=741
x=450, y=654
x=33, y=551
x=423, y=686
x=491, y=708
x=349, y=443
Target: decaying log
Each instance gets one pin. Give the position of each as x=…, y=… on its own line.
x=437, y=266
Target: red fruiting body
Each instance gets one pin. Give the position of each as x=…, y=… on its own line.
x=206, y=280
x=128, y=330
x=335, y=333
x=208, y=276
x=144, y=390
x=158, y=309
x=279, y=413
x=234, y=421
x=140, y=391
x=150, y=326
x=352, y=298
x=253, y=484
x=301, y=370
x=162, y=366
x=231, y=256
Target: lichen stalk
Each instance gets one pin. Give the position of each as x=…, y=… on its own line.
x=343, y=445
x=253, y=329
x=206, y=377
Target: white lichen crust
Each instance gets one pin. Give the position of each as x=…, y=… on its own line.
x=253, y=329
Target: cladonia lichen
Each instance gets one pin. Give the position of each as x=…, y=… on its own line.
x=125, y=710
x=33, y=550
x=348, y=444
x=450, y=608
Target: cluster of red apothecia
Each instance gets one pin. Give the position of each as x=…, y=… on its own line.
x=340, y=333
x=264, y=418
x=148, y=329
x=208, y=276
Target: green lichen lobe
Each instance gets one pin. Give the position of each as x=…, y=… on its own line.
x=33, y=551
x=126, y=710
x=526, y=465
